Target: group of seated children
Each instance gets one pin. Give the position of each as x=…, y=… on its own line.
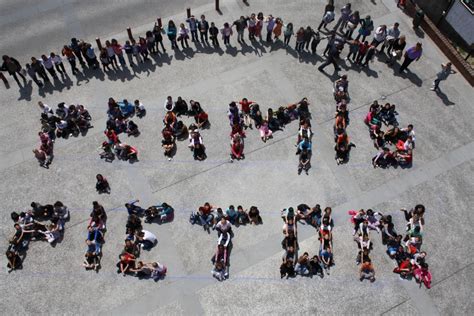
x=96, y=229
x=137, y=238
x=304, y=265
x=176, y=129
x=118, y=121
x=402, y=138
x=341, y=120
x=364, y=221
x=407, y=251
x=64, y=122
x=209, y=216
x=220, y=259
x=30, y=226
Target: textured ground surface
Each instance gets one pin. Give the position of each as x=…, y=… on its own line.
x=53, y=282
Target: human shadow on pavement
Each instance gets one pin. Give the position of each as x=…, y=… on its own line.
x=444, y=98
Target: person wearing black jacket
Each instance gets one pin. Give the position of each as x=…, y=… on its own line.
x=13, y=67
x=203, y=27
x=214, y=33
x=37, y=66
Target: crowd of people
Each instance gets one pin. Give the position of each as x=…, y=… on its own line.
x=175, y=129
x=119, y=121
x=258, y=27
x=64, y=122
x=341, y=120
x=304, y=265
x=406, y=251
x=213, y=217
x=40, y=222
x=403, y=139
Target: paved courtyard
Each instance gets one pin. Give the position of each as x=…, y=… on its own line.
x=53, y=281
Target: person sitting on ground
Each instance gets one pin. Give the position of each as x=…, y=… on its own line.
x=181, y=107
x=42, y=211
x=303, y=109
x=385, y=158
x=224, y=227
x=265, y=131
x=287, y=213
x=326, y=258
x=139, y=109
x=159, y=270
x=142, y=271
x=367, y=271
x=55, y=231
x=242, y=216
x=236, y=148
x=203, y=216
x=102, y=185
x=95, y=240
x=127, y=152
x=132, y=208
x=147, y=239
x=162, y=213
x=132, y=129
x=126, y=264
x=287, y=269
x=98, y=216
x=405, y=269
x=91, y=261
x=199, y=152
x=61, y=211
x=291, y=253
x=254, y=216
x=394, y=246
x=14, y=261
x=218, y=271
x=131, y=247
x=302, y=265
x=290, y=226
x=304, y=161
x=232, y=215
x=315, y=267
x=133, y=225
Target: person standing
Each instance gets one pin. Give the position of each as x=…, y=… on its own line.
x=171, y=32
x=129, y=51
x=111, y=54
x=287, y=33
x=183, y=35
x=379, y=36
x=240, y=26
x=39, y=69
x=333, y=55
x=396, y=51
x=118, y=52
x=158, y=38
x=193, y=26
x=13, y=67
x=393, y=34
x=328, y=15
x=366, y=27
x=226, y=33
x=203, y=27
x=49, y=65
x=270, y=25
x=214, y=32
x=411, y=54
x=76, y=48
x=58, y=63
x=31, y=72
x=344, y=18
x=69, y=53
x=442, y=75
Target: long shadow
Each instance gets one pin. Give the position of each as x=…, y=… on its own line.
x=410, y=76
x=26, y=91
x=444, y=98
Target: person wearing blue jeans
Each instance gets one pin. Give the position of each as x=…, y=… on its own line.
x=232, y=215
x=301, y=266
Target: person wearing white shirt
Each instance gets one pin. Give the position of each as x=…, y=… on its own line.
x=45, y=108
x=169, y=104
x=147, y=239
x=58, y=63
x=49, y=65
x=393, y=34
x=379, y=35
